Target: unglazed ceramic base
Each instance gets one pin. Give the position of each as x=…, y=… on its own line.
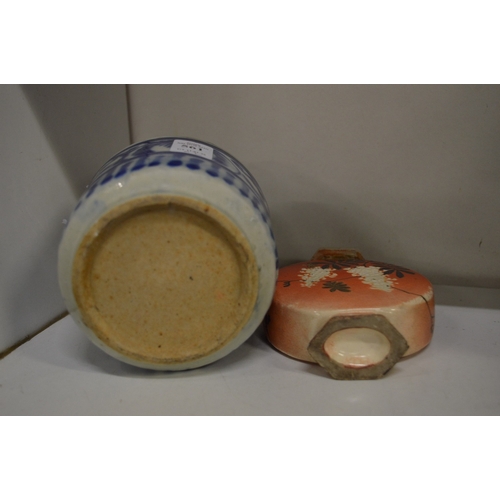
x=168, y=261
x=165, y=279
x=353, y=316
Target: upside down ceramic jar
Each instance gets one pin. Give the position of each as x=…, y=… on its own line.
x=168, y=260
x=354, y=317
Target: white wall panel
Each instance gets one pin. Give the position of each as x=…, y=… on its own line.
x=39, y=183
x=406, y=174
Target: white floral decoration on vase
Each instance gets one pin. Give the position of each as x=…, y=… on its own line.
x=309, y=276
x=373, y=276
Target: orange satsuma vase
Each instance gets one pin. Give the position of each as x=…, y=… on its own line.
x=354, y=317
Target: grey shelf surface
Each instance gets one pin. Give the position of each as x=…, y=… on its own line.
x=60, y=372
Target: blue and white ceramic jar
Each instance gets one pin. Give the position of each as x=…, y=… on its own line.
x=168, y=260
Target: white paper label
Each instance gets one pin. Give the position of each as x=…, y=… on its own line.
x=193, y=148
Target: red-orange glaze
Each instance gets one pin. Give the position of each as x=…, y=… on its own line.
x=308, y=294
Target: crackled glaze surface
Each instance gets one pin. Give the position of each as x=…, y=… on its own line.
x=308, y=294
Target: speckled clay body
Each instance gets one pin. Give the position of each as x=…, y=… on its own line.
x=168, y=260
x=353, y=316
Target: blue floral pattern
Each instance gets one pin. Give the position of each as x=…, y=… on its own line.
x=156, y=153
